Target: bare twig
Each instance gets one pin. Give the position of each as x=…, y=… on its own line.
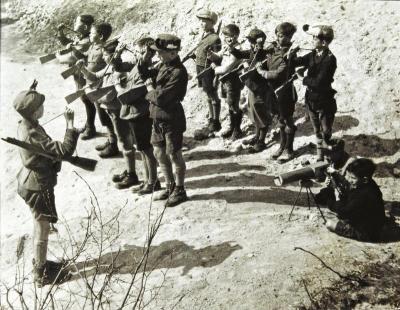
x=330, y=268
x=308, y=293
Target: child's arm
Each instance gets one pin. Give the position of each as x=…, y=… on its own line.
x=61, y=150
x=240, y=54
x=301, y=61
x=64, y=40
x=232, y=63
x=168, y=95
x=277, y=73
x=92, y=76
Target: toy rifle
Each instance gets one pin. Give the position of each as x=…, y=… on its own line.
x=51, y=56
x=81, y=162
x=71, y=70
x=93, y=95
x=252, y=67
x=229, y=74
x=189, y=54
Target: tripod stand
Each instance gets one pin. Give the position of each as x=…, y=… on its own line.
x=307, y=185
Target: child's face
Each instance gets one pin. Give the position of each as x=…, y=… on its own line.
x=256, y=45
x=94, y=36
x=107, y=57
x=230, y=39
x=206, y=24
x=79, y=26
x=318, y=43
x=167, y=56
x=39, y=112
x=352, y=179
x=282, y=39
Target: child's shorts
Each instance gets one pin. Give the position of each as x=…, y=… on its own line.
x=141, y=128
x=165, y=135
x=41, y=203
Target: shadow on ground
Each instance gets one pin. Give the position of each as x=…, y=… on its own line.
x=278, y=196
x=201, y=155
x=371, y=146
x=343, y=122
x=222, y=168
x=169, y=254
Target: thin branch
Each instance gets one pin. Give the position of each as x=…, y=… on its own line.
x=330, y=268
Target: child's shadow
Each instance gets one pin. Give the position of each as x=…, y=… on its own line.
x=169, y=254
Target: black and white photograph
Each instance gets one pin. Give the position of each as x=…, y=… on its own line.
x=199, y=154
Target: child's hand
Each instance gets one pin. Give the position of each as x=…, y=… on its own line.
x=245, y=65
x=149, y=84
x=69, y=115
x=331, y=170
x=213, y=66
x=120, y=49
x=80, y=63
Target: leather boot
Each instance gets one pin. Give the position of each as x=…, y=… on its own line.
x=288, y=153
x=110, y=151
x=88, y=133
x=169, y=188
x=176, y=197
x=283, y=137
x=237, y=132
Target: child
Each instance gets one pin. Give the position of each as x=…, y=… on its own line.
x=136, y=113
x=287, y=96
x=320, y=101
x=81, y=43
x=209, y=41
x=38, y=176
x=169, y=122
x=99, y=34
x=111, y=75
x=360, y=209
x=258, y=88
x=232, y=86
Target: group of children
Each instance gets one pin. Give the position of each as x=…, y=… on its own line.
x=153, y=122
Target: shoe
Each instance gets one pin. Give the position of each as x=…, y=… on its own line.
x=88, y=133
x=288, y=153
x=214, y=125
x=282, y=135
x=258, y=147
x=149, y=188
x=129, y=180
x=102, y=146
x=110, y=151
x=165, y=193
x=178, y=196
x=136, y=189
x=119, y=177
x=237, y=120
x=251, y=142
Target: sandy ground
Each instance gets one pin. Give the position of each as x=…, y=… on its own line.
x=230, y=246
